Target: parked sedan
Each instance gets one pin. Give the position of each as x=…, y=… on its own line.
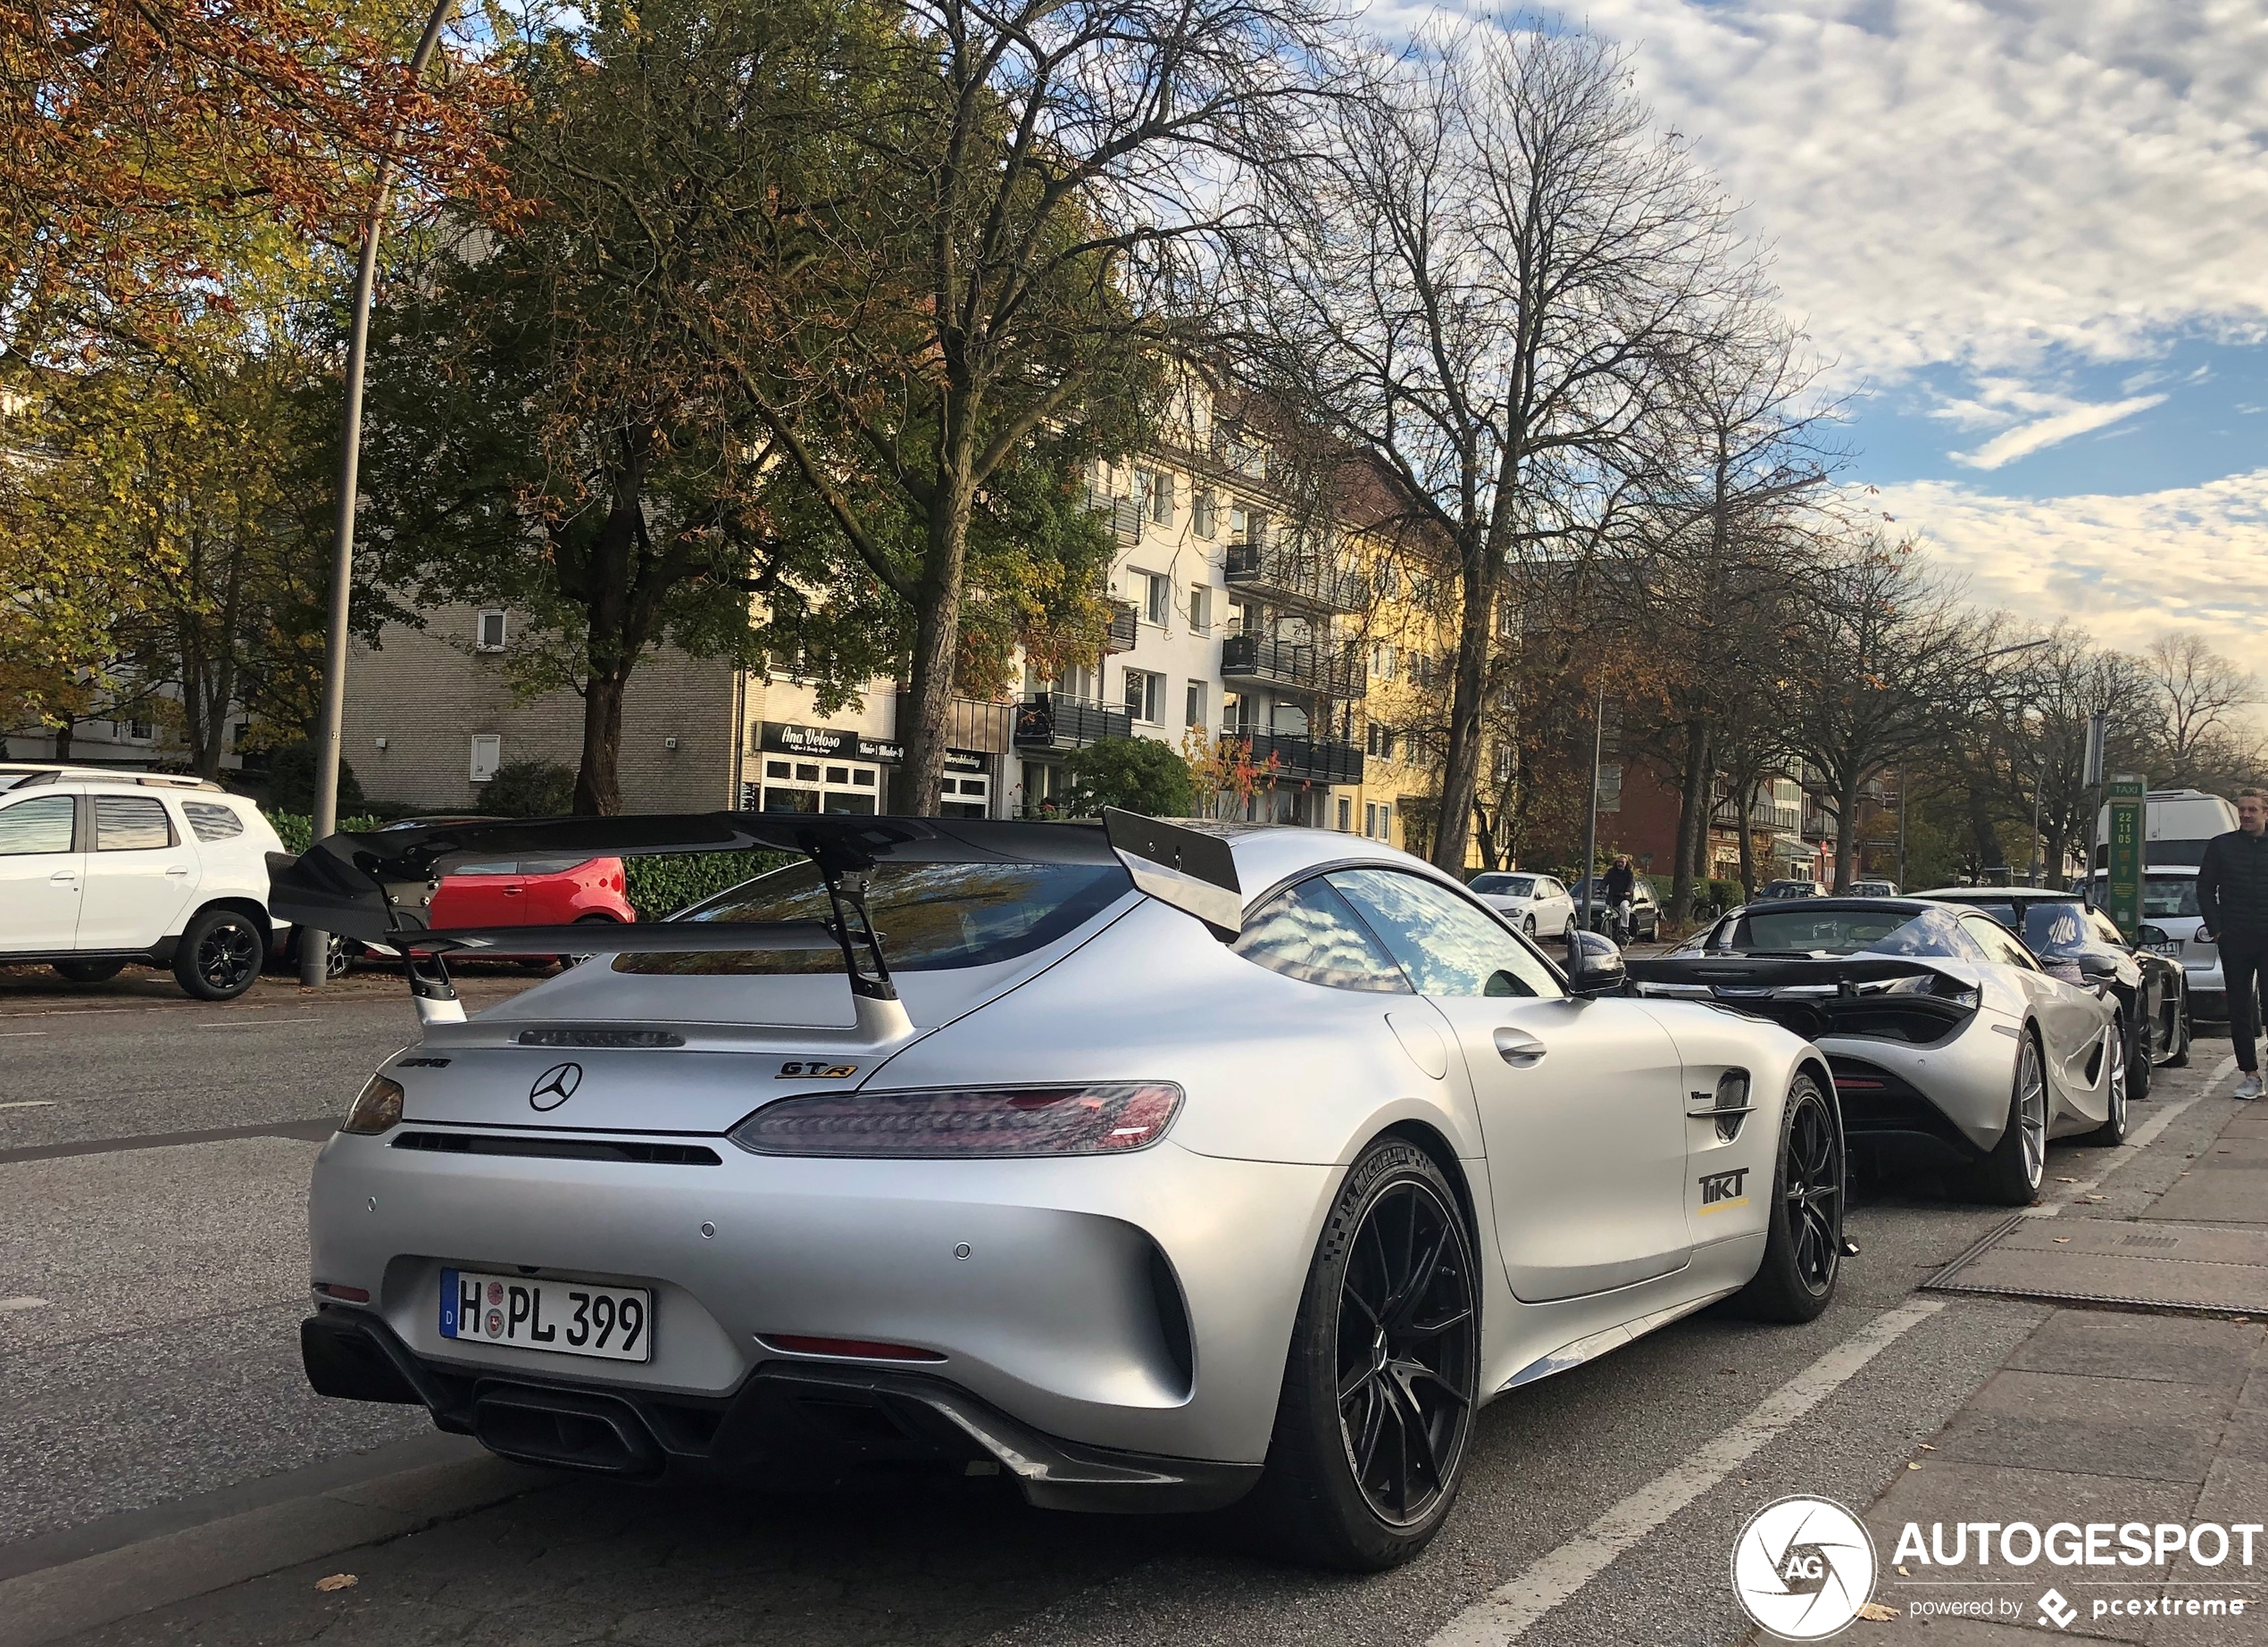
x=1046, y=1150
x=2083, y=945
x=1945, y=1034
x=1535, y=904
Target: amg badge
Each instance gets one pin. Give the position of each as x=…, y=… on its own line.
x=814, y=1069
x=1719, y=1190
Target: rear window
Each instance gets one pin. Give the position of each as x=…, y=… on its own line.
x=932, y=917
x=129, y=823
x=39, y=825
x=1504, y=885
x=2164, y=895
x=212, y=821
x=1813, y=931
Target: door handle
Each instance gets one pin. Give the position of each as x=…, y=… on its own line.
x=64, y=874
x=178, y=868
x=1518, y=1048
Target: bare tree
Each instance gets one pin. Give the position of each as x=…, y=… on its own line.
x=2199, y=695
x=1884, y=649
x=1495, y=258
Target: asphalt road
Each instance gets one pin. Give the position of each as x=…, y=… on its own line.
x=152, y=1279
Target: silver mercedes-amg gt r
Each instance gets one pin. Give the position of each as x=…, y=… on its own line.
x=1946, y=1035
x=1158, y=1167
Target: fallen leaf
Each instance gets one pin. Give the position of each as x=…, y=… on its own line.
x=2063, y=1241
x=337, y=1581
x=1926, y=1447
x=1905, y=1572
x=1913, y=1465
x=2067, y=1180
x=1876, y=1611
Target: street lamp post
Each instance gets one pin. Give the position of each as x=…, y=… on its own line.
x=1590, y=832
x=314, y=947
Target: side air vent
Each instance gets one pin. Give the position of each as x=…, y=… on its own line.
x=571, y=1035
x=637, y=1150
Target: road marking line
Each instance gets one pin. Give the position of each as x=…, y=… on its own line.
x=31, y=1103
x=9, y=1306
x=21, y=1035
x=1506, y=1612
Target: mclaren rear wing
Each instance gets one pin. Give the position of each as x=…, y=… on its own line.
x=377, y=888
x=1890, y=997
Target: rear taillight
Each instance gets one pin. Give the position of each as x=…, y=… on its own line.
x=1104, y=1118
x=378, y=1110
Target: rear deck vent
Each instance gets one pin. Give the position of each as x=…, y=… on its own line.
x=574, y=1036
x=637, y=1150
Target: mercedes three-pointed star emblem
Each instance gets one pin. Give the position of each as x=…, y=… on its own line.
x=555, y=1085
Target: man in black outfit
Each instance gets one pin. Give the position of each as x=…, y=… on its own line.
x=2232, y=897
x=1619, y=883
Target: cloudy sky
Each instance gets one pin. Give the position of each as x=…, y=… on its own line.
x=2035, y=232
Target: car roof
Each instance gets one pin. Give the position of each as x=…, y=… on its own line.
x=47, y=772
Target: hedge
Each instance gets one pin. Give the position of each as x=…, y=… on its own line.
x=297, y=829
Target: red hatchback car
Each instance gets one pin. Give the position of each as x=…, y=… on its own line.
x=531, y=891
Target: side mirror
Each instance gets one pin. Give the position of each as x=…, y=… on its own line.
x=1594, y=964
x=2147, y=935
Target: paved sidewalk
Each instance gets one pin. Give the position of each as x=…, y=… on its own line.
x=2107, y=1416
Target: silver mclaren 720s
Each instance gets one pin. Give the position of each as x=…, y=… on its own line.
x=1150, y=1166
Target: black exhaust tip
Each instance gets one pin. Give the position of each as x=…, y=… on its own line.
x=566, y=1430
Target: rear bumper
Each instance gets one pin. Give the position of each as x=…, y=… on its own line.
x=784, y=1416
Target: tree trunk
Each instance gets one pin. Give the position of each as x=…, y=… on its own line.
x=937, y=631
x=1461, y=770
x=598, y=787
x=1748, y=859
x=1846, y=834
x=1693, y=820
x=1486, y=835
x=63, y=740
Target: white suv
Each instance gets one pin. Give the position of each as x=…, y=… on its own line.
x=102, y=870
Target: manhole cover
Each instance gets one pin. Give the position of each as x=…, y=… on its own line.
x=2112, y=1261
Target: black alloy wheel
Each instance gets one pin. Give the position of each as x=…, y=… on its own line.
x=218, y=957
x=1381, y=1385
x=1804, y=1228
x=1404, y=1389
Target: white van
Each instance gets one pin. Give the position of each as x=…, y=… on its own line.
x=2176, y=824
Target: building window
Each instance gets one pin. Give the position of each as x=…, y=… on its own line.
x=1382, y=660
x=1610, y=786
x=1193, y=705
x=488, y=632
x=1201, y=515
x=487, y=755
x=1158, y=494
x=1155, y=591
x=1346, y=814
x=141, y=731
x=793, y=785
x=1377, y=739
x=1378, y=821
x=1145, y=697
x=1200, y=610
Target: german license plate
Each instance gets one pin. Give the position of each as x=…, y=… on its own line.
x=2172, y=947
x=564, y=1317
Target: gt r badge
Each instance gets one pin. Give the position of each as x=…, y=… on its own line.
x=1720, y=1190
x=813, y=1069
x=555, y=1085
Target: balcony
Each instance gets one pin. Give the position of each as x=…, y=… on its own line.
x=1050, y=720
x=1291, y=577
x=1778, y=820
x=1254, y=658
x=1301, y=760
x=1120, y=638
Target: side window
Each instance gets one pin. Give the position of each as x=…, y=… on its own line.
x=1447, y=945
x=1308, y=933
x=1996, y=944
x=129, y=823
x=212, y=821
x=37, y=826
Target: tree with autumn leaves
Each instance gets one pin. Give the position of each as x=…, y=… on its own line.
x=177, y=181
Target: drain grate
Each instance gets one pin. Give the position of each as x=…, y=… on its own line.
x=2142, y=1265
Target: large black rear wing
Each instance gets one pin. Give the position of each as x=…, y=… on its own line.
x=1888, y=997
x=377, y=888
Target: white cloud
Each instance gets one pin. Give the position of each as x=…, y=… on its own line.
x=1979, y=180
x=2022, y=441
x=2127, y=568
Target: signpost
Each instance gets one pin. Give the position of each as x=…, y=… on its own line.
x=2123, y=885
